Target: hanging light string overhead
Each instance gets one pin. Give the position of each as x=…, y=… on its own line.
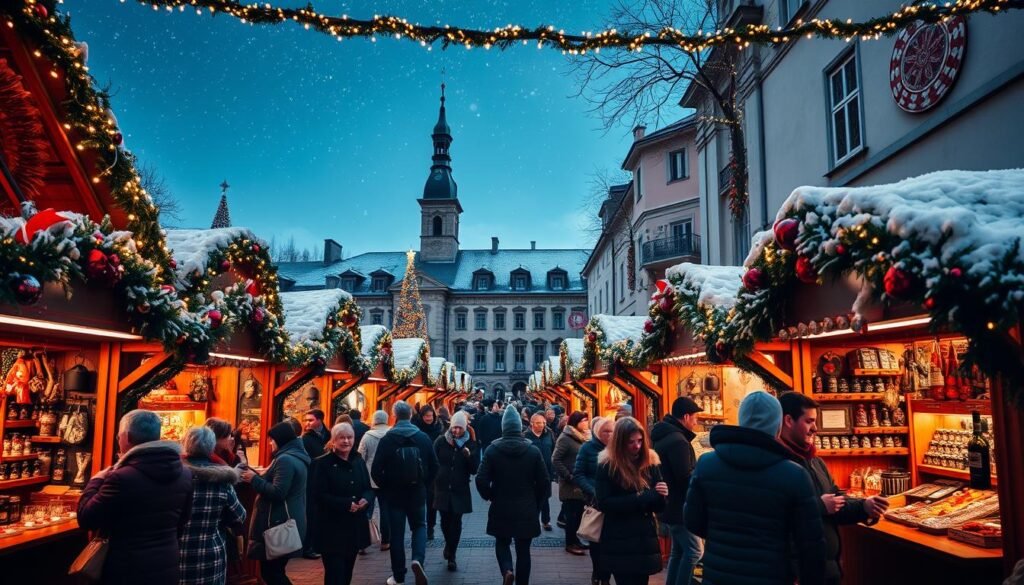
x=342, y=27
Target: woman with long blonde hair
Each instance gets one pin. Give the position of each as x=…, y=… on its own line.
x=630, y=492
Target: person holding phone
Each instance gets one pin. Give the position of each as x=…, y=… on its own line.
x=799, y=425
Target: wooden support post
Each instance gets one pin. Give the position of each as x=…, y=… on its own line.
x=151, y=366
x=761, y=360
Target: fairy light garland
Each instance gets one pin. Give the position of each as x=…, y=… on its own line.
x=342, y=27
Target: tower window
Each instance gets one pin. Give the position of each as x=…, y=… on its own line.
x=437, y=228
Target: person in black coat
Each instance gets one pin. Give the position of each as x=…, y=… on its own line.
x=358, y=426
x=141, y=504
x=630, y=492
x=544, y=440
x=428, y=422
x=584, y=474
x=755, y=504
x=567, y=447
x=514, y=478
x=458, y=458
x=314, y=439
x=487, y=424
x=341, y=496
x=671, y=437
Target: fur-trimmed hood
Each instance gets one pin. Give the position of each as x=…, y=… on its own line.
x=206, y=471
x=603, y=456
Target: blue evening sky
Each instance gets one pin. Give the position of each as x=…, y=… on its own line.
x=320, y=138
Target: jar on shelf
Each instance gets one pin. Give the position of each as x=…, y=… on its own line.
x=47, y=423
x=855, y=387
x=5, y=510
x=14, y=509
x=844, y=386
x=877, y=442
x=832, y=385
x=865, y=442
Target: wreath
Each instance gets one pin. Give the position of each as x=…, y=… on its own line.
x=22, y=143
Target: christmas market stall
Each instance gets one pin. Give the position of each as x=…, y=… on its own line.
x=903, y=305
x=405, y=368
x=554, y=383
x=375, y=348
x=570, y=360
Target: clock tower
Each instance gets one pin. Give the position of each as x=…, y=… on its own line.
x=439, y=206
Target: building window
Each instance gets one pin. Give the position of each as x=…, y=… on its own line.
x=845, y=107
x=460, y=356
x=348, y=284
x=608, y=293
x=519, y=320
x=639, y=179
x=499, y=358
x=377, y=317
x=479, y=358
x=480, y=320
x=788, y=9
x=519, y=357
x=558, y=319
x=380, y=284
x=677, y=167
x=460, y=321
x=557, y=282
x=482, y=282
x=539, y=354
x=519, y=282
x=499, y=320
x=538, y=319
x=437, y=227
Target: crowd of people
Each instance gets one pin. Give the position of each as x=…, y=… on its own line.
x=760, y=508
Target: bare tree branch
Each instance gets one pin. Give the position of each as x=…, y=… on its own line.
x=156, y=186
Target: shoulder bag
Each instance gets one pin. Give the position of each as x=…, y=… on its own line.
x=591, y=524
x=88, y=565
x=283, y=539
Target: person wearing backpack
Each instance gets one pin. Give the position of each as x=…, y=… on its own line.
x=404, y=465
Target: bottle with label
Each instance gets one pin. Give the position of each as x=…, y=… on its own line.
x=979, y=463
x=59, y=465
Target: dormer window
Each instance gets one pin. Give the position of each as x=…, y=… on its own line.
x=519, y=279
x=482, y=282
x=348, y=284
x=519, y=283
x=380, y=284
x=333, y=282
x=558, y=279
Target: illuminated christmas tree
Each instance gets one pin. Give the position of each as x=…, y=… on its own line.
x=410, y=320
x=222, y=218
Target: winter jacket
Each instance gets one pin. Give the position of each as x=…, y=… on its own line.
x=432, y=431
x=584, y=472
x=564, y=460
x=752, y=501
x=672, y=442
x=359, y=428
x=337, y=484
x=851, y=513
x=455, y=468
x=488, y=429
x=141, y=504
x=515, y=480
x=281, y=493
x=314, y=441
x=386, y=452
x=629, y=536
x=545, y=443
x=368, y=447
x=215, y=506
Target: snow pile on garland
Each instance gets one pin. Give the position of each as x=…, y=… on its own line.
x=409, y=357
x=713, y=286
x=571, y=355
x=435, y=371
x=553, y=369
x=192, y=249
x=307, y=314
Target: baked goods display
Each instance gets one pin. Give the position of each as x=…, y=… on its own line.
x=939, y=516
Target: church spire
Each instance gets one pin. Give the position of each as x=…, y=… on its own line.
x=222, y=218
x=440, y=184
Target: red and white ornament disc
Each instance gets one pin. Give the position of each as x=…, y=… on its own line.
x=926, y=61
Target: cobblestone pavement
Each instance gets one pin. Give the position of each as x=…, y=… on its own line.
x=551, y=564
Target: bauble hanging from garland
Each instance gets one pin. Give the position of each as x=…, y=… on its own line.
x=899, y=283
x=648, y=327
x=786, y=231
x=103, y=268
x=805, y=270
x=259, y=316
x=216, y=318
x=666, y=304
x=26, y=288
x=755, y=279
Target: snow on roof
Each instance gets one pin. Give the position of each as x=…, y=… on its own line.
x=554, y=365
x=369, y=336
x=537, y=380
x=192, y=248
x=406, y=352
x=757, y=244
x=716, y=286
x=974, y=216
x=620, y=328
x=449, y=372
x=463, y=381
x=306, y=312
x=435, y=366
x=573, y=350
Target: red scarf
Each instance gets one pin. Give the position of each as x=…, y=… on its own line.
x=806, y=450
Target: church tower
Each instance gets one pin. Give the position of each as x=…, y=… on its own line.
x=439, y=206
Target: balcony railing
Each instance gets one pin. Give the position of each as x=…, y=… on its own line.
x=673, y=247
x=724, y=179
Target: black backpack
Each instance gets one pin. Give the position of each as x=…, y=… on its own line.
x=408, y=469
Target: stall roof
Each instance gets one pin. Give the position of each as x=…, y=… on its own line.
x=306, y=312
x=617, y=328
x=573, y=351
x=554, y=366
x=715, y=286
x=192, y=248
x=370, y=335
x=407, y=352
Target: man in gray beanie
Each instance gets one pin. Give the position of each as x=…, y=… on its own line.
x=514, y=478
x=751, y=501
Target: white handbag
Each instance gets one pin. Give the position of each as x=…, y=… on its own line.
x=591, y=524
x=283, y=539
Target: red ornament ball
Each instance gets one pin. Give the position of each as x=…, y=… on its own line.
x=26, y=288
x=937, y=393
x=143, y=308
x=786, y=231
x=117, y=138
x=648, y=326
x=41, y=11
x=216, y=318
x=755, y=279
x=840, y=250
x=255, y=247
x=225, y=265
x=899, y=283
x=952, y=393
x=929, y=303
x=666, y=304
x=592, y=337
x=174, y=264
x=724, y=350
x=348, y=319
x=102, y=268
x=956, y=272
x=805, y=270
x=259, y=316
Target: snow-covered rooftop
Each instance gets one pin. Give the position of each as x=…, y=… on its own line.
x=716, y=286
x=192, y=248
x=369, y=335
x=554, y=365
x=406, y=352
x=435, y=367
x=618, y=328
x=573, y=350
x=306, y=312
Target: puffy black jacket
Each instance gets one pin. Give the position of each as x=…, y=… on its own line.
x=629, y=536
x=851, y=513
x=282, y=494
x=515, y=480
x=752, y=501
x=584, y=472
x=488, y=428
x=455, y=468
x=385, y=455
x=671, y=440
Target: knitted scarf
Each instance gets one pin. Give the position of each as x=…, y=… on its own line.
x=806, y=450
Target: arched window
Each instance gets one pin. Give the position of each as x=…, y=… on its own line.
x=437, y=225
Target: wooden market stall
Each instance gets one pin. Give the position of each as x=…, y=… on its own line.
x=406, y=369
x=551, y=377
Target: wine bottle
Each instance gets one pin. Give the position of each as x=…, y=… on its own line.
x=978, y=456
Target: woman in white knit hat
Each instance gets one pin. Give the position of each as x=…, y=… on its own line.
x=458, y=457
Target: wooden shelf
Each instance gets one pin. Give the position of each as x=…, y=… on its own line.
x=19, y=424
x=36, y=537
x=947, y=472
x=872, y=373
x=881, y=430
x=29, y=457
x=863, y=452
x=17, y=483
x=848, y=397
x=927, y=406
x=39, y=439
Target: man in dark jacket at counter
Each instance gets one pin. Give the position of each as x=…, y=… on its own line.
x=672, y=438
x=404, y=465
x=487, y=425
x=755, y=505
x=799, y=424
x=141, y=503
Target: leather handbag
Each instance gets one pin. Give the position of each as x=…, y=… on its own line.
x=88, y=565
x=283, y=539
x=591, y=524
